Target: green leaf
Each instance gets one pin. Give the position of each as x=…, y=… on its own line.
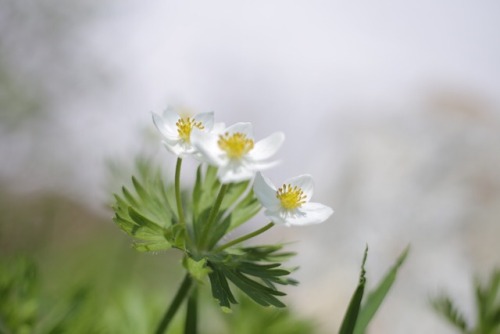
x=268, y=253
x=197, y=189
x=152, y=246
x=198, y=269
x=259, y=293
x=218, y=231
x=141, y=220
x=351, y=315
x=207, y=189
x=143, y=195
x=220, y=289
x=233, y=194
x=175, y=235
x=137, y=231
x=247, y=208
x=199, y=222
x=376, y=297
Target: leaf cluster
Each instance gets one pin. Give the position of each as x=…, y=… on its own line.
x=146, y=212
x=22, y=309
x=124, y=308
x=254, y=271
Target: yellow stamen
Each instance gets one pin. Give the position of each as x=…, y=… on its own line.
x=290, y=197
x=184, y=127
x=235, y=145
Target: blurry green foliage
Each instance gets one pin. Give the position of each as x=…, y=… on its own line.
x=18, y=296
x=79, y=308
x=487, y=299
x=250, y=318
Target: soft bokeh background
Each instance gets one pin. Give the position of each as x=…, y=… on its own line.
x=393, y=107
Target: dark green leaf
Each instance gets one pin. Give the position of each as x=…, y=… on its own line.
x=351, y=315
x=220, y=288
x=249, y=269
x=258, y=292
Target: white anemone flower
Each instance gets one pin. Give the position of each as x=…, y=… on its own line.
x=176, y=130
x=290, y=204
x=235, y=153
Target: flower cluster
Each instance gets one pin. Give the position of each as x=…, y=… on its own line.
x=228, y=191
x=239, y=157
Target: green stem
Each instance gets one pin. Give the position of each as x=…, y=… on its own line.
x=213, y=215
x=191, y=325
x=245, y=237
x=174, y=306
x=178, y=191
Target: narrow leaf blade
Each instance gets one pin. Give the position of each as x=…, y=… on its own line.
x=376, y=297
x=351, y=316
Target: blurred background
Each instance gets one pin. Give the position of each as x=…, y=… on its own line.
x=393, y=107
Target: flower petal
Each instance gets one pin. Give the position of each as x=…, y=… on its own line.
x=267, y=147
x=166, y=123
x=242, y=127
x=206, y=119
x=265, y=192
x=304, y=182
x=260, y=166
x=310, y=213
x=219, y=127
x=178, y=147
x=206, y=144
x=275, y=216
x=233, y=172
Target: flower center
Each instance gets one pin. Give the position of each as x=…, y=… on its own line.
x=235, y=145
x=291, y=197
x=184, y=127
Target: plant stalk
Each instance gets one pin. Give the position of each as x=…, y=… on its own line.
x=174, y=306
x=191, y=325
x=213, y=215
x=178, y=201
x=245, y=237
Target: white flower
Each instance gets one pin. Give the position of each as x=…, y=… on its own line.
x=290, y=204
x=176, y=130
x=235, y=153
